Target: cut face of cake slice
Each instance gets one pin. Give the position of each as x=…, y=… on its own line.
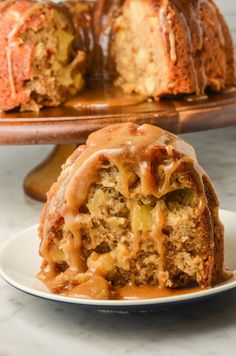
x=39, y=65
x=131, y=207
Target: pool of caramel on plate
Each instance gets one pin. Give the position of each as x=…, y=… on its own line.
x=129, y=292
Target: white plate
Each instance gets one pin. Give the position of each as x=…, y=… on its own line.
x=19, y=263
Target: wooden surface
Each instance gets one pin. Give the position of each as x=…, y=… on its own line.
x=67, y=125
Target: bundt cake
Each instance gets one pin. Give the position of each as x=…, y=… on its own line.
x=151, y=47
x=132, y=207
x=38, y=65
x=172, y=47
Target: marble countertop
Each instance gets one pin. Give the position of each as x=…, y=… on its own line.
x=31, y=326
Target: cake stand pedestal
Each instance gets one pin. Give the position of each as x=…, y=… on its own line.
x=38, y=182
x=67, y=127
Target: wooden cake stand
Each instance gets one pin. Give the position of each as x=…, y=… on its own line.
x=69, y=125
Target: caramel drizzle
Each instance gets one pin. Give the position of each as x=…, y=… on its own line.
x=51, y=209
x=84, y=174
x=98, y=15
x=22, y=20
x=198, y=69
x=218, y=22
x=72, y=246
x=104, y=14
x=166, y=26
x=197, y=16
x=220, y=34
x=200, y=76
x=97, y=24
x=125, y=143
x=10, y=71
x=159, y=238
x=189, y=40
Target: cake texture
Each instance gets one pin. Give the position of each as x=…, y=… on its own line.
x=132, y=207
x=155, y=48
x=164, y=47
x=38, y=64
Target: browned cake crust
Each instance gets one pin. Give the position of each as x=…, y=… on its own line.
x=39, y=66
x=131, y=207
x=182, y=47
x=152, y=47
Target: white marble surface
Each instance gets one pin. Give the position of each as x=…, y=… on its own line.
x=30, y=326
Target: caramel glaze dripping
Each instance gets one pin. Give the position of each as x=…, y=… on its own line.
x=118, y=144
x=55, y=201
x=23, y=19
x=183, y=8
x=195, y=13
x=203, y=80
x=218, y=22
x=104, y=14
x=82, y=22
x=95, y=28
x=166, y=27
x=190, y=11
x=158, y=236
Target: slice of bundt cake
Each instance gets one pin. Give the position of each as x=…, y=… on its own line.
x=39, y=66
x=131, y=207
x=172, y=47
